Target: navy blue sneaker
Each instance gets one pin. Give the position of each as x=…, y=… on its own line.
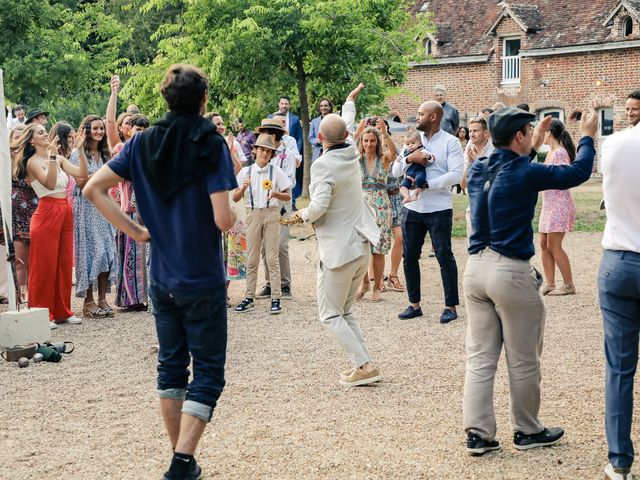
x=448, y=316
x=410, y=313
x=477, y=446
x=546, y=438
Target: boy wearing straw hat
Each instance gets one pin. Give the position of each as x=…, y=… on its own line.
x=264, y=187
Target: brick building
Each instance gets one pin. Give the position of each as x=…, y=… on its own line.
x=557, y=56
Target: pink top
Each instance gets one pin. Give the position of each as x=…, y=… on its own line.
x=123, y=193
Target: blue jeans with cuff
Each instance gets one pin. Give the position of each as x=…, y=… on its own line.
x=619, y=289
x=191, y=324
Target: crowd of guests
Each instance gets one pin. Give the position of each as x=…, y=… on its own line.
x=406, y=189
x=55, y=228
x=104, y=257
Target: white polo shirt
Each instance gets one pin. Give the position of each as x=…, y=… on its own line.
x=620, y=174
x=443, y=174
x=255, y=196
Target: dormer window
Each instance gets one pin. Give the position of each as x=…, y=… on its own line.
x=627, y=27
x=428, y=47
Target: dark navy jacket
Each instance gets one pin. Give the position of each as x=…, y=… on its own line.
x=513, y=196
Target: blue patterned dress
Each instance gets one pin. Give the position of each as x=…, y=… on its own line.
x=93, y=238
x=374, y=188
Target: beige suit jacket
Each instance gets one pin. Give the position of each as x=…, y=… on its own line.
x=342, y=218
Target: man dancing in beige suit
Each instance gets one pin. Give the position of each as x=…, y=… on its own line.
x=345, y=228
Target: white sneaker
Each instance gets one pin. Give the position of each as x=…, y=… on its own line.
x=52, y=325
x=617, y=473
x=72, y=320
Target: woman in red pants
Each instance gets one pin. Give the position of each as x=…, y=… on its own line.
x=51, y=253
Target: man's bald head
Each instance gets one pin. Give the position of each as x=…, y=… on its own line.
x=333, y=130
x=429, y=116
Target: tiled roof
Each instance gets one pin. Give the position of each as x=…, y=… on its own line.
x=529, y=15
x=462, y=25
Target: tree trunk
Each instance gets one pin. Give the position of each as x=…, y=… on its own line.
x=304, y=118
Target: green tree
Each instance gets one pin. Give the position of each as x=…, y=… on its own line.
x=60, y=59
x=255, y=50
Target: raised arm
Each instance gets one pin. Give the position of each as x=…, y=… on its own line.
x=237, y=164
x=49, y=176
x=391, y=152
x=561, y=177
x=112, y=128
x=80, y=171
x=349, y=107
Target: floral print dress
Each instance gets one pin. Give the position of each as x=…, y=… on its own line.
x=558, y=212
x=93, y=238
x=374, y=189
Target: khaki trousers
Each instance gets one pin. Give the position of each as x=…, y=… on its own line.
x=283, y=254
x=263, y=229
x=337, y=289
x=504, y=307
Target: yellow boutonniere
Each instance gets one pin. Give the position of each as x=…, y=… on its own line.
x=267, y=184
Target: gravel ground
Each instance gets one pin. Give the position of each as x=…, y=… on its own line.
x=284, y=416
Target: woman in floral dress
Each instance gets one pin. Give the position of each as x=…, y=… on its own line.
x=558, y=215
x=24, y=202
x=375, y=159
x=94, y=238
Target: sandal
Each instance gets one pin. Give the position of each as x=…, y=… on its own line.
x=106, y=309
x=564, y=289
x=394, y=284
x=98, y=313
x=547, y=288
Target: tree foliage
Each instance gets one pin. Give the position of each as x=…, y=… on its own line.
x=256, y=50
x=64, y=52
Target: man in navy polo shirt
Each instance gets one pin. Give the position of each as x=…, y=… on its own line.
x=181, y=172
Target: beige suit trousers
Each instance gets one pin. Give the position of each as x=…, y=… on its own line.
x=504, y=307
x=263, y=228
x=337, y=289
x=283, y=253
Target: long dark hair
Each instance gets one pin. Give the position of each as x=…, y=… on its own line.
x=24, y=151
x=103, y=145
x=557, y=130
x=62, y=131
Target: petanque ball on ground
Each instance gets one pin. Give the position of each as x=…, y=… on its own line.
x=37, y=358
x=23, y=362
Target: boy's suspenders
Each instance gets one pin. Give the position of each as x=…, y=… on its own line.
x=251, y=185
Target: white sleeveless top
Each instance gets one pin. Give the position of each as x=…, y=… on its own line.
x=61, y=184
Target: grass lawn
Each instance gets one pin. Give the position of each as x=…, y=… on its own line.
x=589, y=217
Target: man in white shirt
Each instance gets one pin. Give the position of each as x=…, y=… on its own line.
x=479, y=146
x=433, y=212
x=619, y=286
x=18, y=119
